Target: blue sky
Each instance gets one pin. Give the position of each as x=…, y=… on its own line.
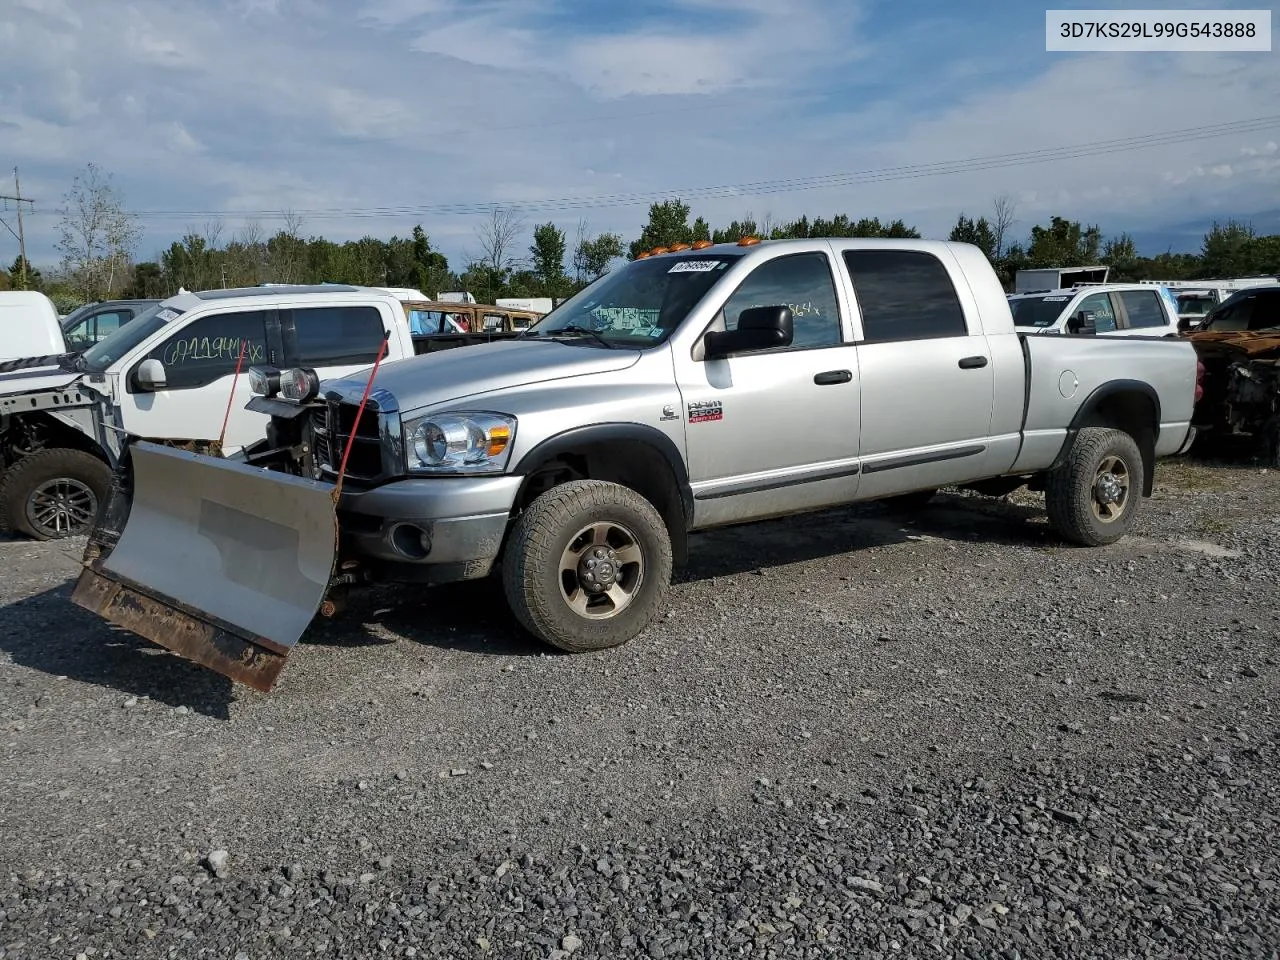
x=240, y=109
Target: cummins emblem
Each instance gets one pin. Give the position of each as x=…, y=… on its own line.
x=669, y=413
x=702, y=411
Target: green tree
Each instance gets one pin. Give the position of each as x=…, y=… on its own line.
x=978, y=232
x=148, y=281
x=431, y=268
x=97, y=234
x=668, y=224
x=1121, y=255
x=1227, y=250
x=593, y=255
x=547, y=259
x=1064, y=243
x=16, y=272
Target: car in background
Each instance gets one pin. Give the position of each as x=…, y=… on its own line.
x=1108, y=310
x=86, y=325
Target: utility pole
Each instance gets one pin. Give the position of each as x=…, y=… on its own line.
x=19, y=199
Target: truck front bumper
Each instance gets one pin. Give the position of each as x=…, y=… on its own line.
x=429, y=529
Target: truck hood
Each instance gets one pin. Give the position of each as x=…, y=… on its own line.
x=453, y=374
x=38, y=378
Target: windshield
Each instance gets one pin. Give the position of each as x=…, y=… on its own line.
x=639, y=304
x=1247, y=311
x=110, y=349
x=1038, y=311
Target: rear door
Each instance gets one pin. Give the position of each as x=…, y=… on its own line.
x=332, y=340
x=927, y=372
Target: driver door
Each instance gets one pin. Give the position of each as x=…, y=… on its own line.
x=775, y=431
x=200, y=364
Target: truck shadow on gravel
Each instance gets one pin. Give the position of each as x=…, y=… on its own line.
x=48, y=633
x=843, y=530
x=470, y=617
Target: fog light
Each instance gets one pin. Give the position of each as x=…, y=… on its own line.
x=411, y=541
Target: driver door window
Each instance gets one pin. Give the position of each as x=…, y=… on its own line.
x=802, y=282
x=1104, y=315
x=209, y=349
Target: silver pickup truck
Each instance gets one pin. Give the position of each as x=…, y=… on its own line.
x=692, y=388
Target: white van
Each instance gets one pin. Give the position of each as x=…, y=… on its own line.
x=1105, y=309
x=29, y=326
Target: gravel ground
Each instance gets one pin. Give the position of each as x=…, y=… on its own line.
x=854, y=735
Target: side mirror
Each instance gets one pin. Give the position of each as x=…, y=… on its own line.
x=759, y=328
x=1083, y=323
x=151, y=375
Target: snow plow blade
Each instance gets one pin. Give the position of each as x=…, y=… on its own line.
x=222, y=563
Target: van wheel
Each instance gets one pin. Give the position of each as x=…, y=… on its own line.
x=587, y=566
x=53, y=494
x=1092, y=499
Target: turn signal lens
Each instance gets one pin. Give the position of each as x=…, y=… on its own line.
x=499, y=437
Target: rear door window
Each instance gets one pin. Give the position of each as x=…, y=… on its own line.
x=904, y=295
x=332, y=336
x=1142, y=308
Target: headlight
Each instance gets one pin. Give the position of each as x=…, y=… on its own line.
x=264, y=381
x=299, y=384
x=463, y=442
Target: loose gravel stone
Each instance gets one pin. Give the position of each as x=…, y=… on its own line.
x=954, y=797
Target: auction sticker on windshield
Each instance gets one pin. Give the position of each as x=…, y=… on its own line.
x=696, y=266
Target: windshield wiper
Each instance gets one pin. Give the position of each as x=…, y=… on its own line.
x=593, y=334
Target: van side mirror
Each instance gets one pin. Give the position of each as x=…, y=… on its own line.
x=1084, y=323
x=151, y=375
x=759, y=328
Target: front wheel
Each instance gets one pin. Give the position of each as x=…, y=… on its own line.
x=54, y=493
x=587, y=566
x=1092, y=498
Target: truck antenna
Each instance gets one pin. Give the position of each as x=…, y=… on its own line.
x=355, y=426
x=222, y=436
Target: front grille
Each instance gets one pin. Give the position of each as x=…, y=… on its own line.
x=331, y=428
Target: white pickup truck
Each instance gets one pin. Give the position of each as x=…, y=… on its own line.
x=1104, y=310
x=169, y=374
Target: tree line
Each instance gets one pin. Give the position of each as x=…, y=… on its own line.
x=98, y=239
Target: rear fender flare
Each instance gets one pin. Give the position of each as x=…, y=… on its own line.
x=1090, y=414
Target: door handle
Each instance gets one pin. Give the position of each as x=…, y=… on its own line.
x=971, y=363
x=832, y=376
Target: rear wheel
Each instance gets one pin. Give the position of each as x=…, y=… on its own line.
x=587, y=565
x=1092, y=499
x=55, y=493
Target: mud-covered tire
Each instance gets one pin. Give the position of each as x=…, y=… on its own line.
x=85, y=478
x=909, y=502
x=543, y=540
x=1074, y=499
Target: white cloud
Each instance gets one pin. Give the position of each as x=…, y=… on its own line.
x=267, y=105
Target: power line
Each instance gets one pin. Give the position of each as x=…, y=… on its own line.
x=786, y=185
